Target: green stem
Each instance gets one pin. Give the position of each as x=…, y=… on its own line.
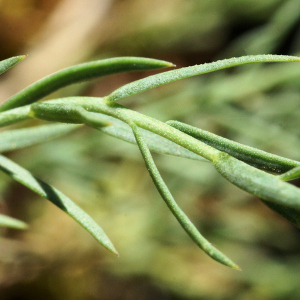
x=122, y=113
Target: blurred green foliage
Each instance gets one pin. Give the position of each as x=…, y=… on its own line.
x=256, y=105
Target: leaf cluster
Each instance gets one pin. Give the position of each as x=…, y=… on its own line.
x=257, y=172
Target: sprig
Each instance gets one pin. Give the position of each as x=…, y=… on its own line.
x=238, y=163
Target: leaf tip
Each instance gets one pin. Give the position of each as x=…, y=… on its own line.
x=113, y=250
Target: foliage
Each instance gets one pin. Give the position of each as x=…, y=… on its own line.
x=246, y=167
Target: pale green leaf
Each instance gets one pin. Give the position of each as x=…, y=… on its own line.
x=181, y=217
x=56, y=197
x=6, y=221
x=151, y=82
x=252, y=156
x=291, y=175
x=10, y=62
x=154, y=141
x=282, y=197
x=78, y=73
x=20, y=138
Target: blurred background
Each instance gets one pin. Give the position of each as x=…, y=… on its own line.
x=258, y=105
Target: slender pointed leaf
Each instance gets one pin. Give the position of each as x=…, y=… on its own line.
x=66, y=111
x=58, y=198
x=81, y=72
x=252, y=156
x=182, y=218
x=21, y=138
x=14, y=115
x=291, y=175
x=6, y=221
x=10, y=62
x=155, y=142
x=151, y=82
x=281, y=196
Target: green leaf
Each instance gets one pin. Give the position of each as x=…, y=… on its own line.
x=181, y=217
x=10, y=62
x=281, y=196
x=6, y=221
x=81, y=72
x=252, y=156
x=151, y=82
x=63, y=110
x=14, y=115
x=58, y=198
x=20, y=138
x=67, y=113
x=291, y=175
x=156, y=143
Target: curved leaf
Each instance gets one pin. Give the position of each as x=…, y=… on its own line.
x=6, y=221
x=291, y=175
x=14, y=115
x=156, y=143
x=58, y=198
x=20, y=138
x=81, y=72
x=281, y=196
x=181, y=217
x=252, y=156
x=10, y=62
x=71, y=110
x=151, y=82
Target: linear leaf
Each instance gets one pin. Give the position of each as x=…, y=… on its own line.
x=20, y=138
x=14, y=115
x=58, y=198
x=6, y=221
x=10, y=62
x=280, y=196
x=252, y=156
x=151, y=82
x=291, y=175
x=81, y=72
x=181, y=217
x=155, y=142
x=66, y=113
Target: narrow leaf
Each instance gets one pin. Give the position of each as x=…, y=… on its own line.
x=20, y=138
x=67, y=113
x=10, y=62
x=155, y=142
x=151, y=82
x=290, y=175
x=56, y=197
x=182, y=218
x=281, y=196
x=6, y=221
x=252, y=156
x=81, y=72
x=14, y=115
